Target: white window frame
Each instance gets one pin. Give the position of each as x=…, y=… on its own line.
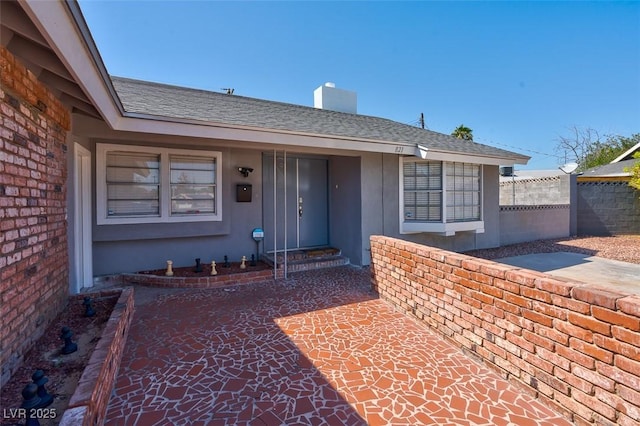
x=165, y=185
x=442, y=227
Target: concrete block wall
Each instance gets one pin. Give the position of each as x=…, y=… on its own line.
x=536, y=191
x=529, y=223
x=608, y=208
x=574, y=346
x=33, y=230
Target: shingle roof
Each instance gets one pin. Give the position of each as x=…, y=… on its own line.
x=610, y=170
x=143, y=97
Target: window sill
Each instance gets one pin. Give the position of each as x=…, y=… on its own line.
x=151, y=220
x=445, y=229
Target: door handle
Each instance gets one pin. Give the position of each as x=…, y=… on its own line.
x=300, y=207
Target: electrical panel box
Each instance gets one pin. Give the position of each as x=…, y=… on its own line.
x=243, y=193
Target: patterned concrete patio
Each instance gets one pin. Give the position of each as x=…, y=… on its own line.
x=320, y=348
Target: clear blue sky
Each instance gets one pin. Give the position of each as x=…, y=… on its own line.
x=520, y=74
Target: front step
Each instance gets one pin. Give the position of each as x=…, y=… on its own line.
x=306, y=260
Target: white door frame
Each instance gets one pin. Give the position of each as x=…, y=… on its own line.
x=83, y=258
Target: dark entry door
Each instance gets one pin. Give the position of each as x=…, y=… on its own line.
x=305, y=207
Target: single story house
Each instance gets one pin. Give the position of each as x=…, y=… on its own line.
x=159, y=172
x=102, y=175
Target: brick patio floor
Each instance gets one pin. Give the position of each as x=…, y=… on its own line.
x=320, y=348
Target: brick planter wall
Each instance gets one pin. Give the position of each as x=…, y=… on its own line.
x=191, y=282
x=574, y=346
x=33, y=231
x=88, y=405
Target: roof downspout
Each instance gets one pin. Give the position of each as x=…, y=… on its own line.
x=285, y=216
x=275, y=216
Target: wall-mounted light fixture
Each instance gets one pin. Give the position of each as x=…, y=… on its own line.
x=244, y=171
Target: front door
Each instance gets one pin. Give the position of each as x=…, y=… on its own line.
x=297, y=205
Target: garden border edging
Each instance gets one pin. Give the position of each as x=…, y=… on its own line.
x=88, y=405
x=213, y=281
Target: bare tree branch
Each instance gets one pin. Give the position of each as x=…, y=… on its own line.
x=577, y=146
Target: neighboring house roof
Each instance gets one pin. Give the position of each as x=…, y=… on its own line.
x=147, y=98
x=610, y=170
x=628, y=154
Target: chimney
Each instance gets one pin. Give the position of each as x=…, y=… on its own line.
x=329, y=97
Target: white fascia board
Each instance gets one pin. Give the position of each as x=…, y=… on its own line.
x=631, y=150
x=429, y=154
x=71, y=42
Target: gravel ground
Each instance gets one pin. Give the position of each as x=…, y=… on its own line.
x=625, y=248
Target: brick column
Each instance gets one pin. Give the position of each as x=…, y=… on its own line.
x=33, y=230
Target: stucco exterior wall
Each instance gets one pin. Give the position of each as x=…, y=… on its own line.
x=529, y=223
x=371, y=181
x=34, y=279
x=380, y=181
x=345, y=208
x=608, y=208
x=132, y=248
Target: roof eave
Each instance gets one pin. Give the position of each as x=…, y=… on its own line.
x=427, y=153
x=135, y=122
x=61, y=23
x=64, y=27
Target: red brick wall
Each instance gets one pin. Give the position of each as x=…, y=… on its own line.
x=88, y=404
x=574, y=346
x=199, y=282
x=33, y=230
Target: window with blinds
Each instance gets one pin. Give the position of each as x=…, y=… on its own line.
x=423, y=191
x=133, y=184
x=139, y=184
x=463, y=192
x=193, y=185
x=440, y=197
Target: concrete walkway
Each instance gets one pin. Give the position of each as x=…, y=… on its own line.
x=613, y=274
x=318, y=349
